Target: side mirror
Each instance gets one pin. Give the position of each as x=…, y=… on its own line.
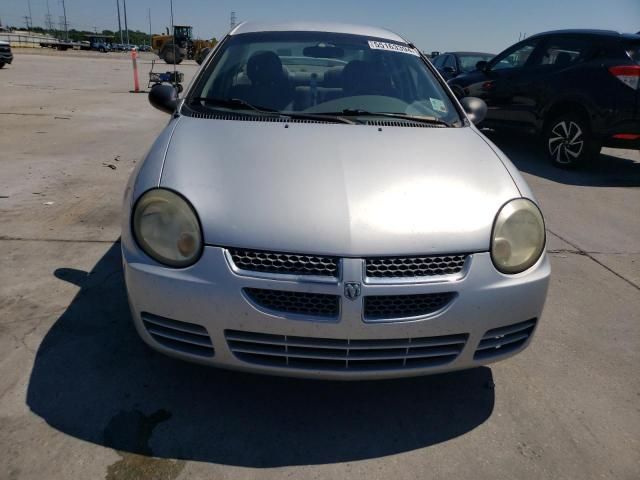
x=164, y=98
x=449, y=70
x=475, y=108
x=482, y=65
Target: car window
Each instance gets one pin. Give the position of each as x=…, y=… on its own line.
x=633, y=50
x=319, y=72
x=563, y=51
x=468, y=62
x=450, y=62
x=437, y=62
x=515, y=57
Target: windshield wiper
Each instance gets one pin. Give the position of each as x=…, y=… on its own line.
x=233, y=104
x=355, y=112
x=318, y=116
x=239, y=104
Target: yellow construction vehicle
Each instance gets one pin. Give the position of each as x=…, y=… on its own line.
x=175, y=48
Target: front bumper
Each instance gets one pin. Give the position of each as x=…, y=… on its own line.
x=6, y=57
x=210, y=295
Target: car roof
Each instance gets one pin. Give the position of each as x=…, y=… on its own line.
x=586, y=31
x=366, y=31
x=472, y=53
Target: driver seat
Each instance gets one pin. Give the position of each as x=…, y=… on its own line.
x=270, y=84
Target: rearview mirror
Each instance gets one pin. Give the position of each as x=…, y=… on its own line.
x=482, y=65
x=449, y=70
x=323, y=50
x=475, y=108
x=164, y=98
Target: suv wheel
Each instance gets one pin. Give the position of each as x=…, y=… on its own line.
x=568, y=141
x=1, y=64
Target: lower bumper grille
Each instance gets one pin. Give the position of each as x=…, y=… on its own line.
x=181, y=336
x=387, y=307
x=344, y=355
x=503, y=340
x=312, y=304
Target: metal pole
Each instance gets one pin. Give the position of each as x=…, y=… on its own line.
x=66, y=28
x=149, y=14
x=173, y=31
x=126, y=28
x=119, y=24
x=30, y=17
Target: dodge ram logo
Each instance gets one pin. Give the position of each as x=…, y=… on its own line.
x=352, y=290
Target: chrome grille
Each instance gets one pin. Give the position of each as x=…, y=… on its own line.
x=284, y=263
x=428, y=266
x=381, y=307
x=504, y=339
x=182, y=336
x=303, y=303
x=344, y=355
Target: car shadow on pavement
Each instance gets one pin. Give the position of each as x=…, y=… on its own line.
x=603, y=171
x=94, y=379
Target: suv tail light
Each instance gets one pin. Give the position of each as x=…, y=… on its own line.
x=627, y=74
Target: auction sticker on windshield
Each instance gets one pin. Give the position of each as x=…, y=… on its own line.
x=438, y=105
x=392, y=47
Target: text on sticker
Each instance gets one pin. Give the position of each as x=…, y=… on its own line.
x=392, y=47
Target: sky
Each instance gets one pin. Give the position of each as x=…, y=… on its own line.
x=482, y=25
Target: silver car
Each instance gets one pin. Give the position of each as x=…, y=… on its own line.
x=321, y=205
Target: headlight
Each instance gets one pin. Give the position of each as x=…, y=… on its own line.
x=167, y=229
x=518, y=236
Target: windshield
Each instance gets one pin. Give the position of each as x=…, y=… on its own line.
x=322, y=73
x=468, y=62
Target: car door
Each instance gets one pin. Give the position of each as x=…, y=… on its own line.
x=508, y=101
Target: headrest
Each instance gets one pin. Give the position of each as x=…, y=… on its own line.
x=264, y=67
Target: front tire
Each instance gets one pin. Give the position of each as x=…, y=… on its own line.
x=1, y=64
x=568, y=141
x=170, y=56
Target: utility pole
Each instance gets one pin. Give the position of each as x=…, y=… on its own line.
x=126, y=28
x=233, y=21
x=119, y=24
x=149, y=15
x=66, y=25
x=30, y=26
x=48, y=20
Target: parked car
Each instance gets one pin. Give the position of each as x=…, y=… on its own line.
x=578, y=89
x=452, y=64
x=321, y=205
x=103, y=47
x=6, y=57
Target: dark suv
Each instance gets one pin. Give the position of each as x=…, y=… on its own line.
x=578, y=89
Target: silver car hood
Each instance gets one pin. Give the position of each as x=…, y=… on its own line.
x=347, y=190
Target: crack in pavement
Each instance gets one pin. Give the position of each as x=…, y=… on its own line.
x=60, y=240
x=585, y=252
x=579, y=251
x=575, y=251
